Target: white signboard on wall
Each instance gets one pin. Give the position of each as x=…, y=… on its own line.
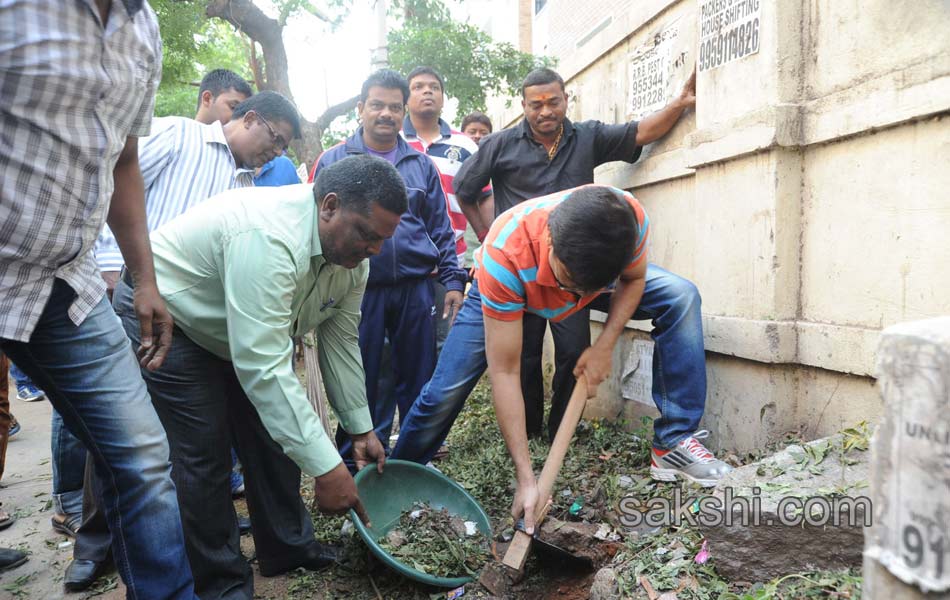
x=651, y=71
x=728, y=30
x=636, y=382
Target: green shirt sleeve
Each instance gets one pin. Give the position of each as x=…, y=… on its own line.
x=260, y=276
x=341, y=363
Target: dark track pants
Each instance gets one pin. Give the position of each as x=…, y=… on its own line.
x=405, y=314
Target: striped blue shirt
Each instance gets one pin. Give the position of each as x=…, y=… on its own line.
x=183, y=163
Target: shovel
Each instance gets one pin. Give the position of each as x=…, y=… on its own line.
x=555, y=556
x=520, y=546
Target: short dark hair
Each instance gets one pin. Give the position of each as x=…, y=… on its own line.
x=542, y=76
x=360, y=180
x=425, y=71
x=272, y=106
x=222, y=80
x=477, y=117
x=593, y=233
x=387, y=79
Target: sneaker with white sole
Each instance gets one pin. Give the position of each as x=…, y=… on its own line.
x=29, y=393
x=688, y=460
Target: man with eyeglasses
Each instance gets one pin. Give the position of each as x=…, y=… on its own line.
x=549, y=257
x=188, y=161
x=183, y=164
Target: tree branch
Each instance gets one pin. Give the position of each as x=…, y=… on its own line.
x=324, y=120
x=247, y=17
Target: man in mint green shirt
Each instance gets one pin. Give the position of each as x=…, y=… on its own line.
x=242, y=273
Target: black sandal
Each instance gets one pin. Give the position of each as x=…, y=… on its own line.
x=68, y=526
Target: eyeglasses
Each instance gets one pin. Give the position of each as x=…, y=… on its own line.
x=274, y=136
x=566, y=288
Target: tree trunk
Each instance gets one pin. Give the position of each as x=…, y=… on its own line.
x=268, y=32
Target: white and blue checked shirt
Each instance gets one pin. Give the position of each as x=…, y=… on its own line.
x=183, y=164
x=71, y=93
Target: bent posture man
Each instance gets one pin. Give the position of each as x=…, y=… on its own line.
x=549, y=257
x=546, y=153
x=244, y=272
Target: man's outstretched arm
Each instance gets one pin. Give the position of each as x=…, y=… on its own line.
x=595, y=362
x=658, y=124
x=503, y=349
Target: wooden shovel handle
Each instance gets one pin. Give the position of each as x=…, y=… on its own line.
x=518, y=550
x=562, y=441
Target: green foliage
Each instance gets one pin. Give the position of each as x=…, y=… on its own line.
x=176, y=99
x=192, y=45
x=820, y=584
x=339, y=129
x=473, y=65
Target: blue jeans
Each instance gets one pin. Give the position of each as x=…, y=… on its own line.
x=69, y=464
x=19, y=377
x=91, y=376
x=679, y=368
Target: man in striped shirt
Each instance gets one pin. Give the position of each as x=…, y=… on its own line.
x=187, y=162
x=550, y=257
x=183, y=164
x=424, y=130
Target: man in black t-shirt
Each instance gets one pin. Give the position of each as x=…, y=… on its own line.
x=545, y=153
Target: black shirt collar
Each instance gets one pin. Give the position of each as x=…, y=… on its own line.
x=526, y=129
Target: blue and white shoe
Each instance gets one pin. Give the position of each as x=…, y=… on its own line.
x=237, y=484
x=29, y=393
x=14, y=427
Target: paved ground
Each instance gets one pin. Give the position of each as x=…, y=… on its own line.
x=25, y=492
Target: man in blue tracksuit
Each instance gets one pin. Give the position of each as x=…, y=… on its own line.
x=399, y=302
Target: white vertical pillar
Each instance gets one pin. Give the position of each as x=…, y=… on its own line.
x=380, y=54
x=907, y=549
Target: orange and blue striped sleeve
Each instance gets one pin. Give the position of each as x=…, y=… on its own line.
x=502, y=291
x=643, y=234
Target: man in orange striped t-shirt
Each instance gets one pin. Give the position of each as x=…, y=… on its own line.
x=551, y=256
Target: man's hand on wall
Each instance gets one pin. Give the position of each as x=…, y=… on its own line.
x=656, y=125
x=687, y=97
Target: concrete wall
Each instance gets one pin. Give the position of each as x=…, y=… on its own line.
x=808, y=196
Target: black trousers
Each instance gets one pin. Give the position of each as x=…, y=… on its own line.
x=571, y=338
x=201, y=405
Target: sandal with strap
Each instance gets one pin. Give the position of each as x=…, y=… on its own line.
x=69, y=526
x=6, y=519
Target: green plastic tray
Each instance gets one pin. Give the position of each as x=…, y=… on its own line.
x=401, y=485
